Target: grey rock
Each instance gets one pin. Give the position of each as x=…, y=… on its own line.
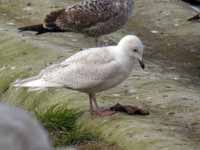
x=20, y=131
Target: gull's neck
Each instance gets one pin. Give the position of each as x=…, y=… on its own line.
x=122, y=57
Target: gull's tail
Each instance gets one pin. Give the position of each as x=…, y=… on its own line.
x=34, y=82
x=36, y=28
x=39, y=29
x=49, y=24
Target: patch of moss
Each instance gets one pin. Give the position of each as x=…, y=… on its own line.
x=61, y=124
x=19, y=59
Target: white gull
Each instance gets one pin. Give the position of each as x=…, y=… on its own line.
x=92, y=70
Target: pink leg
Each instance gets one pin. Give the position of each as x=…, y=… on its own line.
x=99, y=111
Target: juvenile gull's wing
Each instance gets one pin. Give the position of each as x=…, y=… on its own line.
x=82, y=15
x=89, y=56
x=83, y=77
x=91, y=17
x=82, y=71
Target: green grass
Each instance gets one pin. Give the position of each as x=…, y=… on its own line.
x=61, y=124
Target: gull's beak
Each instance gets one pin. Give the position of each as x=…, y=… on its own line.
x=141, y=63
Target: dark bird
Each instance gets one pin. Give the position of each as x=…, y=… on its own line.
x=91, y=17
x=195, y=18
x=195, y=5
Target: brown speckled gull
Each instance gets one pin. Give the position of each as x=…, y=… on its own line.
x=92, y=70
x=91, y=17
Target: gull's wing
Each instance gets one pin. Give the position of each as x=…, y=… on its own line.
x=84, y=70
x=94, y=69
x=82, y=15
x=91, y=56
x=82, y=76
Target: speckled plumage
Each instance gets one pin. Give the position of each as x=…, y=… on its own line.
x=92, y=17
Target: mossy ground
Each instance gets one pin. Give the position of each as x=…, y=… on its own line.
x=169, y=87
x=61, y=124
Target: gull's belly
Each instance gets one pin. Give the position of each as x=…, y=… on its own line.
x=107, y=84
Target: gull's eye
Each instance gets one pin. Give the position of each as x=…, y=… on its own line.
x=135, y=50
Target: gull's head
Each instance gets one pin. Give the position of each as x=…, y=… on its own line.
x=133, y=48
